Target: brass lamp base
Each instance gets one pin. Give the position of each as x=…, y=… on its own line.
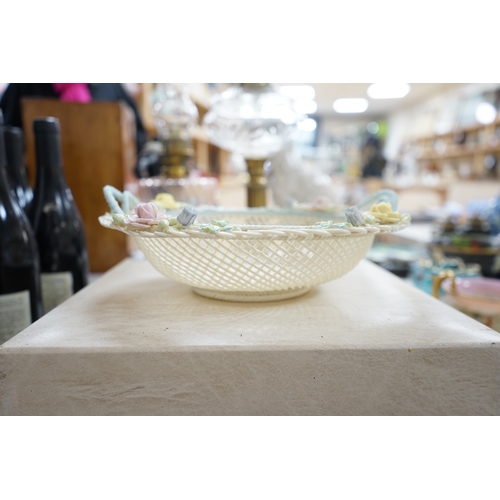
x=176, y=155
x=257, y=186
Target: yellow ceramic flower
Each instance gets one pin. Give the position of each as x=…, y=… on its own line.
x=166, y=201
x=383, y=214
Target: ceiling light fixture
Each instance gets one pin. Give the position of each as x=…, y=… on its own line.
x=351, y=105
x=388, y=90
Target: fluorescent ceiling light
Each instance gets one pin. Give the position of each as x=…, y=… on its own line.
x=352, y=105
x=305, y=107
x=388, y=90
x=299, y=92
x=485, y=113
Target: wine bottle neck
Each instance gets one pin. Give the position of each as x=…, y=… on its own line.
x=3, y=159
x=4, y=182
x=5, y=192
x=48, y=151
x=7, y=200
x=14, y=152
x=49, y=160
x=14, y=148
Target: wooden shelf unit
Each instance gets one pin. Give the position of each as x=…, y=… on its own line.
x=466, y=145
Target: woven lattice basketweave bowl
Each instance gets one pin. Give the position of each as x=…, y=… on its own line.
x=250, y=255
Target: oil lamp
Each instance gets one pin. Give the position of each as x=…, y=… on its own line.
x=256, y=120
x=175, y=117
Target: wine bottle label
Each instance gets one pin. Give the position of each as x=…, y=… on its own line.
x=15, y=314
x=56, y=288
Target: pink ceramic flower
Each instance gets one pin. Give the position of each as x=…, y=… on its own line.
x=145, y=215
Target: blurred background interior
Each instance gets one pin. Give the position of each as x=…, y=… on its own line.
x=324, y=145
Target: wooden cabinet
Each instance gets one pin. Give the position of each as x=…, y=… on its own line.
x=98, y=148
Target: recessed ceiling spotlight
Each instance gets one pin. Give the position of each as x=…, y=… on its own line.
x=350, y=105
x=388, y=90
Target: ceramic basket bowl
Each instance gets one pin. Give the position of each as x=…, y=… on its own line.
x=262, y=255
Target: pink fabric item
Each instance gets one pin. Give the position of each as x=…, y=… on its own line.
x=72, y=92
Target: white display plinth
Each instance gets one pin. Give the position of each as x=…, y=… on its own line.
x=136, y=343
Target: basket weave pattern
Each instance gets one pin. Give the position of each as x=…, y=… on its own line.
x=261, y=256
x=254, y=265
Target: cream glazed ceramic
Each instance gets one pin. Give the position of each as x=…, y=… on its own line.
x=251, y=255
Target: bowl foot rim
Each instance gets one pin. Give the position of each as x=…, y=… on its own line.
x=231, y=296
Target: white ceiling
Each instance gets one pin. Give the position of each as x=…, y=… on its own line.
x=326, y=93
